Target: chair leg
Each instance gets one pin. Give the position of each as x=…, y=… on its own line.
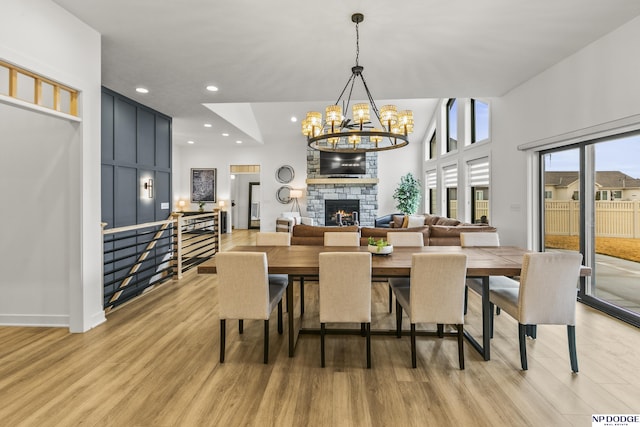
x=301, y=295
x=390, y=299
x=573, y=356
x=280, y=329
x=368, y=345
x=322, y=334
x=266, y=341
x=223, y=333
x=498, y=311
x=466, y=299
x=398, y=319
x=522, y=337
x=532, y=331
x=414, y=362
x=461, y=345
x=491, y=308
x=240, y=326
x=440, y=330
x=363, y=331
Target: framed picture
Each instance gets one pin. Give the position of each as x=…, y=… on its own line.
x=203, y=185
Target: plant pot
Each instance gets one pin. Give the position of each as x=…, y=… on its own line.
x=380, y=250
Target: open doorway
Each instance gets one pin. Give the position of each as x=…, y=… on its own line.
x=245, y=196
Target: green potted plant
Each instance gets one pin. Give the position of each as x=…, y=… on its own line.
x=407, y=195
x=381, y=247
x=201, y=206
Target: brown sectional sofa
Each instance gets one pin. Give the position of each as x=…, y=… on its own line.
x=434, y=235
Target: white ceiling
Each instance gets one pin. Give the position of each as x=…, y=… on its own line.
x=285, y=57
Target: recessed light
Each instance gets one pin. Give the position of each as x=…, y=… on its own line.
x=294, y=119
x=232, y=176
x=238, y=142
x=142, y=90
x=191, y=142
x=225, y=134
x=212, y=88
x=208, y=125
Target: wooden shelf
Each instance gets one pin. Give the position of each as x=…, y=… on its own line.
x=359, y=181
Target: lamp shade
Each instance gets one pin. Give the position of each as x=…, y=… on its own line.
x=295, y=194
x=221, y=203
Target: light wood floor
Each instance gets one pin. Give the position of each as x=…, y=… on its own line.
x=155, y=363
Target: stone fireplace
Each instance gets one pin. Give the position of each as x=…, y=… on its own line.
x=341, y=212
x=362, y=189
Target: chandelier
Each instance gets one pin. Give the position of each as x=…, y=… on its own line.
x=388, y=130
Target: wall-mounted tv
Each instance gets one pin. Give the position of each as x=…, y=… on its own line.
x=342, y=163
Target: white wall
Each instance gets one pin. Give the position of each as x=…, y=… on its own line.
x=594, y=86
x=50, y=261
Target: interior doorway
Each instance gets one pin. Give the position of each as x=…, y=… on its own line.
x=242, y=202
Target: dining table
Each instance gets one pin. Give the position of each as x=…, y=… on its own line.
x=303, y=261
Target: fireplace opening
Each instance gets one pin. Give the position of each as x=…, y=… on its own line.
x=341, y=212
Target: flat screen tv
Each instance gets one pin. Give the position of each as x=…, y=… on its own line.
x=340, y=164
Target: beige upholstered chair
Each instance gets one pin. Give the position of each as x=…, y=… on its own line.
x=475, y=283
x=341, y=238
x=402, y=239
x=436, y=295
x=273, y=239
x=546, y=295
x=244, y=292
x=345, y=293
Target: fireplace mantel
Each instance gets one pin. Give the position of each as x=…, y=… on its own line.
x=360, y=181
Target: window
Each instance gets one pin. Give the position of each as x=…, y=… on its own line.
x=431, y=180
x=479, y=121
x=548, y=194
x=452, y=125
x=602, y=225
x=432, y=146
x=479, y=185
x=450, y=175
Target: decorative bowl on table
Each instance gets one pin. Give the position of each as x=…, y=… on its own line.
x=380, y=250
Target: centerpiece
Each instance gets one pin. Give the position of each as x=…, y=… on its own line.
x=381, y=247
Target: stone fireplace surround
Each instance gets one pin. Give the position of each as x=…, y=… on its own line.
x=361, y=187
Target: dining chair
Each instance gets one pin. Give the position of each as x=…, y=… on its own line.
x=475, y=283
x=244, y=292
x=436, y=295
x=402, y=239
x=345, y=293
x=546, y=295
x=266, y=238
x=341, y=238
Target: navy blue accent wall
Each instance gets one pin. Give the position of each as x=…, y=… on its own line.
x=136, y=146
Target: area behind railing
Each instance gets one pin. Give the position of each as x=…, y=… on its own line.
x=138, y=257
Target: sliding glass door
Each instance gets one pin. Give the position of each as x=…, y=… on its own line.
x=591, y=203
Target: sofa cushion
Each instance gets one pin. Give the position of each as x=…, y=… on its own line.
x=314, y=235
x=447, y=221
x=397, y=220
x=431, y=219
x=415, y=221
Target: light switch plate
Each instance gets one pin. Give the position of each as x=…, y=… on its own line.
x=164, y=205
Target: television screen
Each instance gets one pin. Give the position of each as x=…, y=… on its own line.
x=342, y=163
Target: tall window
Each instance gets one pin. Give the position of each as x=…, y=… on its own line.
x=432, y=146
x=479, y=186
x=452, y=125
x=450, y=179
x=431, y=180
x=596, y=198
x=479, y=121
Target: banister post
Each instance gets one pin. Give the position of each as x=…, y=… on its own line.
x=177, y=243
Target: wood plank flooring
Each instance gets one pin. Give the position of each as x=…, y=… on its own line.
x=155, y=363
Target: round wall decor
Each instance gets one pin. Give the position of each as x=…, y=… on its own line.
x=283, y=195
x=285, y=174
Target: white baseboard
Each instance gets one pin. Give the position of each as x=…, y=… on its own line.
x=42, y=320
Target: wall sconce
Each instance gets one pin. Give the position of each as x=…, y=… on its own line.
x=295, y=195
x=221, y=204
x=148, y=186
x=181, y=205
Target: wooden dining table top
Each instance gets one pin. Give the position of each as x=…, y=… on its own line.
x=303, y=260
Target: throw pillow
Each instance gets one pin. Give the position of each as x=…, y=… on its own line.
x=415, y=221
x=405, y=221
x=397, y=221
